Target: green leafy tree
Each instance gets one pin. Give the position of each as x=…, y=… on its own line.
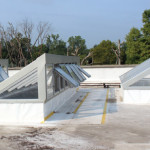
x=86, y=59
x=103, y=54
x=123, y=52
x=77, y=46
x=4, y=52
x=133, y=43
x=145, y=46
x=56, y=45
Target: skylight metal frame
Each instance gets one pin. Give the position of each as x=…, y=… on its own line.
x=34, y=76
x=66, y=77
x=79, y=72
x=39, y=64
x=135, y=75
x=84, y=72
x=76, y=73
x=72, y=73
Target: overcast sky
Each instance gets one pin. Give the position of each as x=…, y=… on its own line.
x=93, y=20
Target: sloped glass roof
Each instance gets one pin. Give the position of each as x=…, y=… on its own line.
x=37, y=80
x=135, y=77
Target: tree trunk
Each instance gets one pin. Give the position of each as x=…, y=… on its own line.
x=118, y=53
x=119, y=58
x=89, y=54
x=67, y=51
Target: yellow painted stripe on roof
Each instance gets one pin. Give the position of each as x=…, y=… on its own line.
x=47, y=117
x=81, y=102
x=77, y=89
x=105, y=109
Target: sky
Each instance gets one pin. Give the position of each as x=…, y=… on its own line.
x=93, y=20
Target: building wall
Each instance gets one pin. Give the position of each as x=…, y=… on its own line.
x=21, y=112
x=98, y=74
x=110, y=75
x=136, y=96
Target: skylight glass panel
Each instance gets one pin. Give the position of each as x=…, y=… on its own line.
x=66, y=76
x=1, y=79
x=83, y=71
x=3, y=73
x=79, y=72
x=73, y=75
x=76, y=73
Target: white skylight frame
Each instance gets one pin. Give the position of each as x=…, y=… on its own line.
x=136, y=74
x=72, y=73
x=79, y=72
x=34, y=76
x=66, y=76
x=76, y=73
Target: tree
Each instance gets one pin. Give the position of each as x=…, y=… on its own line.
x=12, y=40
x=56, y=45
x=18, y=45
x=76, y=45
x=86, y=57
x=145, y=46
x=146, y=23
x=118, y=53
x=123, y=52
x=27, y=29
x=41, y=31
x=103, y=54
x=133, y=52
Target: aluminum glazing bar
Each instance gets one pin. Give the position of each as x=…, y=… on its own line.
x=83, y=77
x=73, y=75
x=83, y=71
x=76, y=73
x=66, y=77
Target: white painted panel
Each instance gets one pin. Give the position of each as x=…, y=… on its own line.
x=21, y=112
x=136, y=96
x=105, y=74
